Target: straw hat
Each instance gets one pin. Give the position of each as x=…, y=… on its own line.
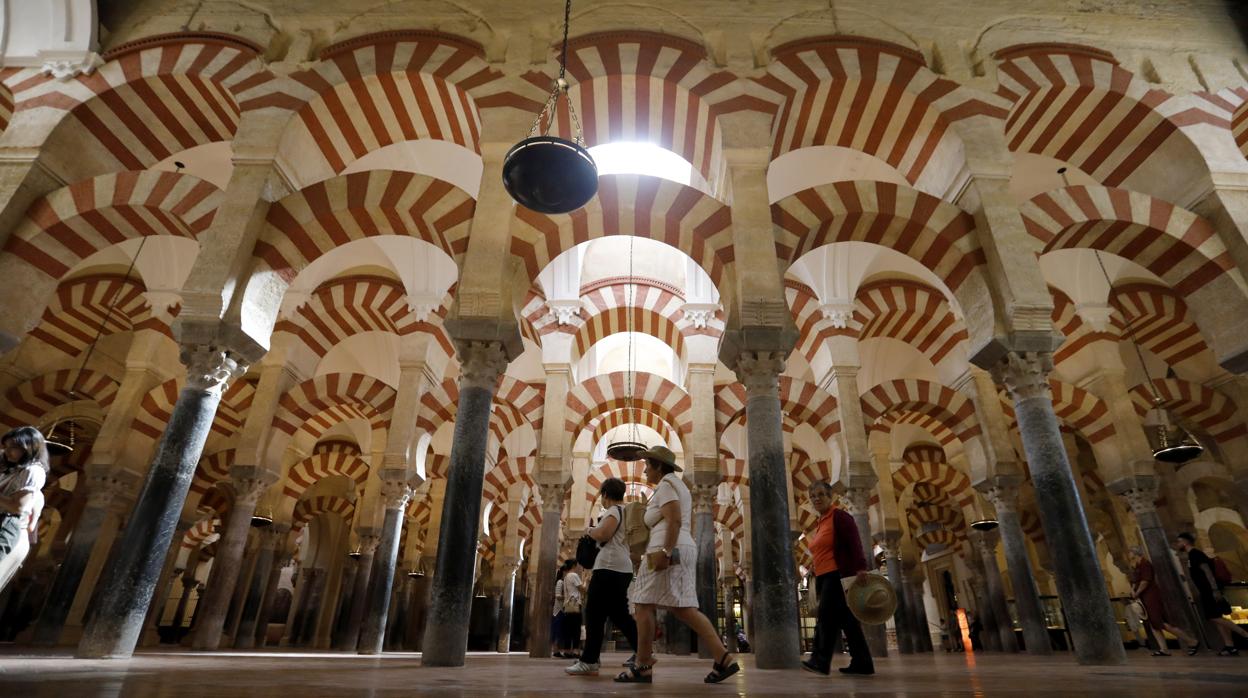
x=663, y=454
x=871, y=600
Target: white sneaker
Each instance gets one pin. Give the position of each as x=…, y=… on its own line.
x=583, y=669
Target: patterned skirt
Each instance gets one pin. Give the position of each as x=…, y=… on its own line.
x=674, y=587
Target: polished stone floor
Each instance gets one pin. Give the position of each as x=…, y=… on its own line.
x=312, y=675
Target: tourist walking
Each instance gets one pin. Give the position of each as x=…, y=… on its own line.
x=1209, y=592
x=667, y=575
x=837, y=551
x=608, y=583
x=1144, y=588
x=23, y=472
x=571, y=604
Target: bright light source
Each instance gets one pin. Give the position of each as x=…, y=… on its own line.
x=641, y=158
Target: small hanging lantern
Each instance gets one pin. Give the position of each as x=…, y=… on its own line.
x=985, y=524
x=545, y=173
x=263, y=518
x=1171, y=443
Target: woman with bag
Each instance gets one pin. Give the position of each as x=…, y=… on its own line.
x=608, y=585
x=573, y=599
x=23, y=472
x=667, y=575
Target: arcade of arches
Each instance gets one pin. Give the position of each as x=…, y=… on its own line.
x=260, y=262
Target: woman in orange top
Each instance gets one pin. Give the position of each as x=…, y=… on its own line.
x=837, y=550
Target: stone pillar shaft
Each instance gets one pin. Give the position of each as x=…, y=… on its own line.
x=506, y=597
x=542, y=600
x=223, y=578
x=704, y=532
x=1157, y=542
x=985, y=544
x=858, y=499
x=359, y=592
x=901, y=617
x=1004, y=498
x=270, y=539
x=381, y=582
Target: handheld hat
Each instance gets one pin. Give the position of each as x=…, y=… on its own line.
x=662, y=454
x=873, y=600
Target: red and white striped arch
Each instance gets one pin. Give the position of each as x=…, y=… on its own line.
x=1157, y=318
x=1175, y=244
x=813, y=329
x=807, y=472
x=947, y=480
x=234, y=406
x=329, y=458
x=926, y=492
x=933, y=232
x=30, y=402
x=871, y=96
x=513, y=400
x=608, y=392
x=911, y=312
x=1078, y=333
x=730, y=517
x=155, y=410
x=618, y=418
x=616, y=320
x=309, y=406
x=525, y=401
x=70, y=224
x=946, y=406
x=632, y=473
x=1199, y=406
x=938, y=536
x=212, y=469
x=734, y=470
x=1077, y=105
x=313, y=221
x=1076, y=409
x=312, y=507
x=800, y=403
x=197, y=534
x=152, y=98
x=649, y=207
x=1239, y=122
x=6, y=107
x=530, y=520
x=86, y=305
x=506, y=472
x=352, y=305
x=946, y=516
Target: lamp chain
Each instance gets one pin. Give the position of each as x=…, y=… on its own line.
x=549, y=109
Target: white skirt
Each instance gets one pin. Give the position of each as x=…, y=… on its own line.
x=13, y=561
x=674, y=587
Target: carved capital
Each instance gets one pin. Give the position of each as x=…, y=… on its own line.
x=760, y=372
x=565, y=311
x=699, y=315
x=1004, y=497
x=70, y=66
x=1142, y=500
x=838, y=314
x=890, y=541
x=985, y=541
x=369, y=543
x=703, y=498
x=395, y=493
x=210, y=368
x=1025, y=374
x=552, y=494
x=857, y=500
x=481, y=363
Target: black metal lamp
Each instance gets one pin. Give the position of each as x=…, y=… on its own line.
x=985, y=524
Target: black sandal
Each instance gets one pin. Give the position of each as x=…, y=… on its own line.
x=720, y=671
x=634, y=675
x=1161, y=654
x=1228, y=651
x=1193, y=650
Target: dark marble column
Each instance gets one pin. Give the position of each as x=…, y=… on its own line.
x=891, y=542
x=985, y=543
x=1080, y=583
x=858, y=504
x=281, y=559
x=703, y=491
x=422, y=586
x=248, y=484
x=918, y=609
x=312, y=601
x=342, y=615
x=105, y=487
x=270, y=539
x=130, y=578
x=544, y=568
x=164, y=585
x=301, y=581
x=394, y=494
x=188, y=582
x=506, y=596
x=984, y=610
x=450, y=600
x=1004, y=497
x=775, y=630
x=359, y=592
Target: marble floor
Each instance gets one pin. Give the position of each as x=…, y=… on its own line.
x=312, y=675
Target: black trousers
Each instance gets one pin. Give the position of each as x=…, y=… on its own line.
x=833, y=618
x=570, y=631
x=608, y=598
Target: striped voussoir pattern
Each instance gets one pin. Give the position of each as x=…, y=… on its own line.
x=234, y=406
x=927, y=513
x=525, y=403
x=801, y=402
x=156, y=409
x=640, y=318
x=6, y=107
x=512, y=401
x=600, y=426
x=812, y=327
x=948, y=409
x=1157, y=319
x=927, y=493
x=312, y=507
x=311, y=222
x=871, y=96
x=734, y=470
x=807, y=471
x=506, y=472
x=936, y=536
x=1239, y=121
x=314, y=405
x=933, y=232
x=102, y=303
x=30, y=402
x=911, y=312
x=609, y=392
x=328, y=459
x=730, y=516
x=632, y=473
x=70, y=224
x=1170, y=241
x=352, y=305
x=212, y=468
x=947, y=481
x=1078, y=334
x=1202, y=409
x=199, y=534
x=1077, y=410
x=629, y=204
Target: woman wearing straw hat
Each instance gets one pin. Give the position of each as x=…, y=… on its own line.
x=667, y=576
x=837, y=550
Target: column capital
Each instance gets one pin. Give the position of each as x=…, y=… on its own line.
x=857, y=500
x=250, y=483
x=890, y=541
x=272, y=536
x=109, y=488
x=395, y=493
x=703, y=497
x=760, y=372
x=1025, y=374
x=984, y=541
x=481, y=363
x=1140, y=491
x=552, y=494
x=1002, y=493
x=210, y=367
x=369, y=543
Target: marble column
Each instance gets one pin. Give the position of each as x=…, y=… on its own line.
x=394, y=493
x=130, y=578
x=270, y=539
x=918, y=608
x=983, y=608
x=179, y=611
x=248, y=485
x=704, y=530
x=359, y=592
x=105, y=487
x=1080, y=583
x=891, y=542
x=506, y=596
x=544, y=568
x=163, y=585
x=858, y=504
x=1004, y=497
x=312, y=600
x=450, y=598
x=1141, y=494
x=985, y=543
x=342, y=615
x=776, y=630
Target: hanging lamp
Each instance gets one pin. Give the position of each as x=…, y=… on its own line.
x=630, y=449
x=263, y=518
x=546, y=173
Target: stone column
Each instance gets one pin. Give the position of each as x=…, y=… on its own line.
x=985, y=543
x=543, y=568
x=858, y=504
x=1004, y=497
x=179, y=612
x=105, y=487
x=891, y=542
x=450, y=598
x=359, y=591
x=918, y=609
x=270, y=539
x=395, y=494
x=703, y=491
x=776, y=639
x=506, y=596
x=1080, y=583
x=248, y=485
x=130, y=578
x=152, y=623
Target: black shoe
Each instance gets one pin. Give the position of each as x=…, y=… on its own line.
x=813, y=668
x=860, y=670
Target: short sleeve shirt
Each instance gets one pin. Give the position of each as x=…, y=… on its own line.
x=15, y=481
x=613, y=555
x=670, y=489
x=1196, y=561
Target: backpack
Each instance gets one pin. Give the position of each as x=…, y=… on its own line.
x=636, y=532
x=1221, y=573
